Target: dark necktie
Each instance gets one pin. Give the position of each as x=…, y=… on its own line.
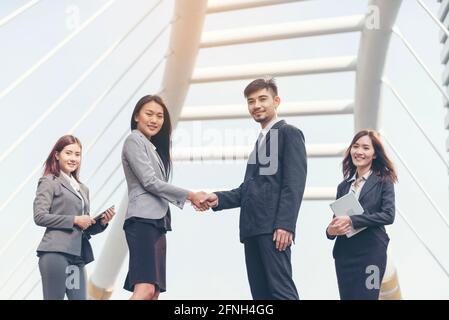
x=259, y=140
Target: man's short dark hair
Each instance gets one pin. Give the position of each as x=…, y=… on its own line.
x=259, y=84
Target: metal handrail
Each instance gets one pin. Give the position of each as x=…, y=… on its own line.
x=421, y=240
x=435, y=19
x=407, y=44
x=387, y=83
x=75, y=85
x=53, y=51
x=426, y=194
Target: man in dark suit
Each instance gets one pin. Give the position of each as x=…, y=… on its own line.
x=269, y=197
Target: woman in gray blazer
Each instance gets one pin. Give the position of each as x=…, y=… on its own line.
x=62, y=206
x=147, y=165
x=360, y=260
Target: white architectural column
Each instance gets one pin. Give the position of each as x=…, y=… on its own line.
x=108, y=265
x=184, y=44
x=374, y=43
x=373, y=49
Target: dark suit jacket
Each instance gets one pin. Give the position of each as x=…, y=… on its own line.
x=377, y=200
x=271, y=200
x=55, y=206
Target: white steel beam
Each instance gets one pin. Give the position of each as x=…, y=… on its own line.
x=282, y=31
x=18, y=12
x=309, y=108
x=319, y=193
x=50, y=54
x=216, y=6
x=109, y=263
x=74, y=86
x=282, y=68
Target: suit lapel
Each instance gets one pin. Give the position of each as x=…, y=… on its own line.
x=266, y=142
x=160, y=163
x=83, y=193
x=67, y=185
x=373, y=179
x=345, y=188
x=150, y=150
x=254, y=163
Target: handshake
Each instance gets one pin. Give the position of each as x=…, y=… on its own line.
x=202, y=201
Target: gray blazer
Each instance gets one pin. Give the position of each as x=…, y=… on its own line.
x=55, y=206
x=148, y=190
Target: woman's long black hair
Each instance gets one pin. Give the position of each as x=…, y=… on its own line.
x=162, y=140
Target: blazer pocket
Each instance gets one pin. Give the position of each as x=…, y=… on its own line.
x=139, y=193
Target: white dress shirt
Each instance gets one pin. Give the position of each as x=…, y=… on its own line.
x=270, y=125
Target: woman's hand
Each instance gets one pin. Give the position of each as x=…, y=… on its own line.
x=108, y=215
x=83, y=221
x=339, y=226
x=198, y=200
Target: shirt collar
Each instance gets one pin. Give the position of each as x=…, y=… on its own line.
x=69, y=178
x=270, y=125
x=364, y=177
x=75, y=184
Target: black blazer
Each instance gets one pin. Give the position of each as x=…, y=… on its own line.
x=377, y=200
x=271, y=200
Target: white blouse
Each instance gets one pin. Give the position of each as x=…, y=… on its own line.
x=76, y=186
x=356, y=188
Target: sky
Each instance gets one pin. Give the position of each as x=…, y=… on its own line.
x=205, y=259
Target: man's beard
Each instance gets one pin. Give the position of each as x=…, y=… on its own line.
x=259, y=120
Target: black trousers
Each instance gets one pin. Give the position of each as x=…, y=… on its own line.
x=269, y=270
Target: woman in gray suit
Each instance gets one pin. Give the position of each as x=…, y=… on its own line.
x=360, y=260
x=147, y=166
x=62, y=206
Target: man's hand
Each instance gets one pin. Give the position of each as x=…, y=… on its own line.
x=198, y=200
x=207, y=200
x=212, y=200
x=283, y=239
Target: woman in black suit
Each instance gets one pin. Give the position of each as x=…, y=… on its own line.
x=360, y=260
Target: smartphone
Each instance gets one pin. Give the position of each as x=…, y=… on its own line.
x=101, y=215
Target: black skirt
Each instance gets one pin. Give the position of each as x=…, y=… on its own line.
x=360, y=277
x=147, y=255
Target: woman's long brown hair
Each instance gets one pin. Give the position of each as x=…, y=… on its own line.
x=382, y=165
x=52, y=164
